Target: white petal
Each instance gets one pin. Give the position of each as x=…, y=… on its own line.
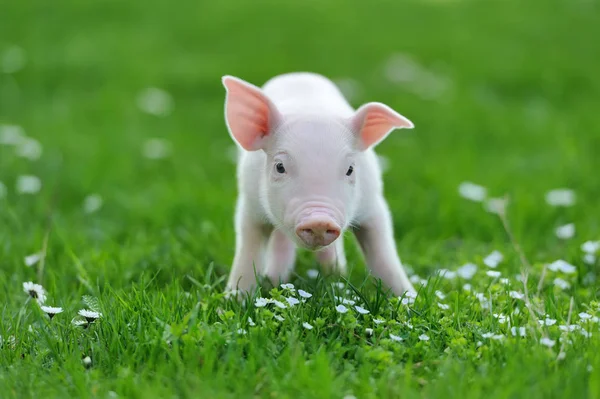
x=361, y=310
x=424, y=337
x=561, y=265
x=589, y=259
x=341, y=309
x=493, y=273
x=547, y=342
x=307, y=326
x=312, y=273
x=472, y=191
x=467, y=271
x=562, y=284
x=585, y=316
x=590, y=247
x=29, y=148
x=443, y=306
x=495, y=205
x=92, y=203
x=493, y=259
x=155, y=101
x=292, y=301
x=565, y=232
x=304, y=294
x=28, y=184
x=395, y=338
x=32, y=259
x=561, y=197
x=516, y=295
x=11, y=134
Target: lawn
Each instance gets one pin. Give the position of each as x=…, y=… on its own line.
x=117, y=188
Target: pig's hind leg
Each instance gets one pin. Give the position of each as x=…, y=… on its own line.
x=280, y=257
x=376, y=238
x=250, y=242
x=333, y=257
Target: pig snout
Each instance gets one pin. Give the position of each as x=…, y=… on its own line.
x=316, y=232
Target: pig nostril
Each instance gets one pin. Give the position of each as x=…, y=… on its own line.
x=334, y=232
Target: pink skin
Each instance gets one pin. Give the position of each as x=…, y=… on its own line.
x=307, y=172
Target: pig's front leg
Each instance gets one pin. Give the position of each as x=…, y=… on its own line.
x=249, y=247
x=280, y=257
x=376, y=238
x=333, y=257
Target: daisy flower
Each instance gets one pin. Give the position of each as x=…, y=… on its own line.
x=292, y=301
x=51, y=311
x=89, y=315
x=304, y=294
x=547, y=342
x=424, y=337
x=395, y=338
x=35, y=291
x=307, y=326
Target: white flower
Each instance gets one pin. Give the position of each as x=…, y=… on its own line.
x=369, y=331
x=498, y=337
x=487, y=335
x=590, y=247
x=340, y=285
x=92, y=203
x=443, y=306
x=361, y=310
x=304, y=294
x=87, y=361
x=155, y=101
x=466, y=271
x=547, y=342
x=345, y=301
x=277, y=317
x=32, y=259
x=472, y=191
x=561, y=197
x=3, y=190
x=562, y=284
x=493, y=273
x=447, y=274
x=292, y=301
x=589, y=259
x=565, y=232
x=501, y=318
x=585, y=333
x=341, y=309
x=505, y=281
x=79, y=323
x=251, y=322
x=548, y=322
x=241, y=331
x=28, y=184
x=288, y=286
x=410, y=326
x=495, y=205
x=561, y=265
x=89, y=315
x=35, y=291
x=279, y=304
x=516, y=295
x=569, y=328
x=312, y=273
x=156, y=148
x=493, y=259
x=378, y=321
x=29, y=148
x=585, y=316
x=407, y=301
x=424, y=337
x=261, y=302
x=11, y=134
x=307, y=326
x=440, y=294
x=521, y=331
x=395, y=338
x=467, y=287
x=51, y=311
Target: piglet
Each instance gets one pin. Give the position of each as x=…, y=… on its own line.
x=307, y=172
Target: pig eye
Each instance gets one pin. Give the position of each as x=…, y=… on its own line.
x=350, y=170
x=279, y=167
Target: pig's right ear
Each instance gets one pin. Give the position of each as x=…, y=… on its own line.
x=249, y=114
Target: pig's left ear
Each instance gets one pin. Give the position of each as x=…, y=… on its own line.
x=249, y=114
x=374, y=121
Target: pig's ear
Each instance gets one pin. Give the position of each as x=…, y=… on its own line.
x=374, y=121
x=249, y=114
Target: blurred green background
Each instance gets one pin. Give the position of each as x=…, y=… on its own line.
x=502, y=93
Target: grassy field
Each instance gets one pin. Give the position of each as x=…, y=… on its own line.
x=133, y=218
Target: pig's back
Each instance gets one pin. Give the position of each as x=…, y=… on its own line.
x=305, y=92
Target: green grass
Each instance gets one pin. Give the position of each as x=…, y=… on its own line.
x=519, y=116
